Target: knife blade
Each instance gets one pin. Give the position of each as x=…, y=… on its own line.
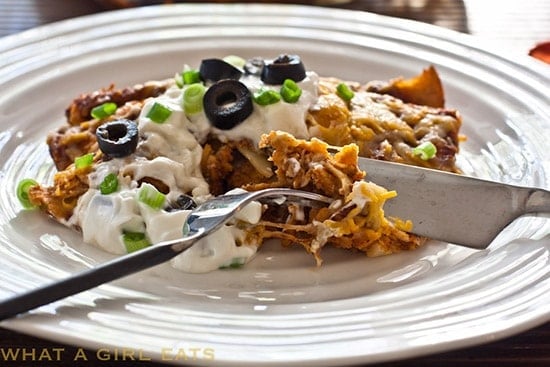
x=459, y=209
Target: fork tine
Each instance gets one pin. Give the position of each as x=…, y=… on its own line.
x=212, y=214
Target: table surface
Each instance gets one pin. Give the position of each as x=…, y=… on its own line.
x=516, y=26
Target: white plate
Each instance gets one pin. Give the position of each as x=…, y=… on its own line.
x=280, y=309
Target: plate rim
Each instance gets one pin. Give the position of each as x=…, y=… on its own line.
x=532, y=66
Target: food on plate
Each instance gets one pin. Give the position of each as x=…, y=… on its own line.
x=133, y=162
x=356, y=218
x=386, y=127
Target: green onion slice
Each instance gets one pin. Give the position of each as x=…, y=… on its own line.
x=191, y=76
x=265, y=97
x=192, y=98
x=109, y=184
x=234, y=60
x=178, y=78
x=344, y=92
x=134, y=241
x=84, y=161
x=290, y=91
x=426, y=150
x=149, y=195
x=103, y=110
x=185, y=230
x=235, y=263
x=23, y=188
x=159, y=113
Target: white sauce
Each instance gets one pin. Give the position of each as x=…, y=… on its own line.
x=289, y=117
x=175, y=145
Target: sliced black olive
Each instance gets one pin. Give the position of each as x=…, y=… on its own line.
x=227, y=103
x=284, y=67
x=213, y=70
x=117, y=138
x=183, y=202
x=254, y=66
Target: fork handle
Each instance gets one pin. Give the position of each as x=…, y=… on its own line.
x=111, y=270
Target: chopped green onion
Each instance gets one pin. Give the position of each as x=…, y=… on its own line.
x=235, y=263
x=109, y=184
x=344, y=92
x=290, y=91
x=265, y=97
x=159, y=113
x=84, y=161
x=191, y=76
x=134, y=241
x=426, y=150
x=149, y=195
x=192, y=98
x=23, y=188
x=185, y=230
x=234, y=60
x=103, y=110
x=178, y=78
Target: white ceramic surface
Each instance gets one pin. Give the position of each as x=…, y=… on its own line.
x=280, y=309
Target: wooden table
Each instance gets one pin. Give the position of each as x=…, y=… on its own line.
x=513, y=25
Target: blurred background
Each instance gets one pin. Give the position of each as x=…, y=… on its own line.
x=512, y=25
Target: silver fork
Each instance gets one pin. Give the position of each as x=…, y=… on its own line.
x=203, y=220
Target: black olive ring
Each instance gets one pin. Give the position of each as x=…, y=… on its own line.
x=283, y=67
x=117, y=138
x=213, y=70
x=227, y=103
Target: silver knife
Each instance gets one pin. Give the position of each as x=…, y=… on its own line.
x=453, y=208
